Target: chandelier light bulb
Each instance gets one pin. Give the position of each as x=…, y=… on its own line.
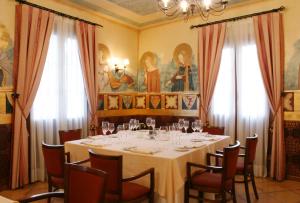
x=165, y=2
x=207, y=4
x=184, y=6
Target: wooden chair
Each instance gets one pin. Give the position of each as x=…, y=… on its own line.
x=55, y=158
x=69, y=135
x=245, y=165
x=214, y=130
x=213, y=179
x=119, y=189
x=83, y=184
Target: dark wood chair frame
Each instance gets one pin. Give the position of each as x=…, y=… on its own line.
x=66, y=157
x=61, y=134
x=209, y=168
x=65, y=195
x=119, y=191
x=248, y=173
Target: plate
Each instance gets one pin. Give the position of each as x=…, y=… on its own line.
x=197, y=140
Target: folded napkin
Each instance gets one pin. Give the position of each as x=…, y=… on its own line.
x=142, y=150
x=93, y=143
x=191, y=146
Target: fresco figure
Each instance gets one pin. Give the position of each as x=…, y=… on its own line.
x=182, y=80
x=103, y=69
x=151, y=72
x=6, y=57
x=109, y=80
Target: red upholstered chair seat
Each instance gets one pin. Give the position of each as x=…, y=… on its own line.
x=58, y=182
x=131, y=191
x=240, y=166
x=211, y=181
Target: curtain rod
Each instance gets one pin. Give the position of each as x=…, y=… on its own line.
x=239, y=17
x=56, y=12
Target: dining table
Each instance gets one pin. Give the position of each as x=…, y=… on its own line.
x=166, y=152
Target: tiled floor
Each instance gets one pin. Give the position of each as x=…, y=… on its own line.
x=269, y=192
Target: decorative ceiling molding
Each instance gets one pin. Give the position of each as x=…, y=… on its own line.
x=138, y=14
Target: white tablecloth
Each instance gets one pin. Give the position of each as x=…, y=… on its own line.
x=5, y=200
x=169, y=164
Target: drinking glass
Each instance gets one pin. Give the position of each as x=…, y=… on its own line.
x=176, y=127
x=131, y=124
x=148, y=121
x=181, y=123
x=136, y=124
x=194, y=126
x=153, y=124
x=120, y=128
x=111, y=127
x=125, y=126
x=104, y=127
x=186, y=125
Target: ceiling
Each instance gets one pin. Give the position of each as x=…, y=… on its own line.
x=141, y=7
x=136, y=13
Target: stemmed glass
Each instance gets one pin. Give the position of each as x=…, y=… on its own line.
x=148, y=122
x=111, y=127
x=153, y=124
x=136, y=124
x=131, y=124
x=186, y=125
x=194, y=126
x=181, y=124
x=104, y=127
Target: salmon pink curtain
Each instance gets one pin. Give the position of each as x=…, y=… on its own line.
x=86, y=40
x=32, y=36
x=211, y=42
x=270, y=45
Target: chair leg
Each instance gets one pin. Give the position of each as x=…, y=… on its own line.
x=247, y=188
x=200, y=197
x=223, y=197
x=49, y=190
x=253, y=184
x=186, y=192
x=233, y=192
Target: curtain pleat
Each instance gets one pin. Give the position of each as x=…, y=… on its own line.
x=33, y=30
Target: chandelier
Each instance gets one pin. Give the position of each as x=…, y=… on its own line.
x=188, y=8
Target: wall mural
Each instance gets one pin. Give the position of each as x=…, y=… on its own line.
x=6, y=64
x=292, y=79
x=179, y=75
x=108, y=79
x=6, y=57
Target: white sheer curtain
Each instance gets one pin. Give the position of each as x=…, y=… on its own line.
x=60, y=103
x=240, y=100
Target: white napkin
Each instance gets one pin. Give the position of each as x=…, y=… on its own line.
x=143, y=150
x=93, y=143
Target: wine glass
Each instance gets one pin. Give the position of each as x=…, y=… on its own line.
x=104, y=127
x=181, y=124
x=120, y=128
x=136, y=124
x=153, y=124
x=125, y=126
x=111, y=127
x=148, y=121
x=186, y=125
x=131, y=124
x=194, y=126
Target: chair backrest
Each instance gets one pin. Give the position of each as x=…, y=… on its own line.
x=214, y=130
x=251, y=143
x=54, y=157
x=69, y=135
x=230, y=158
x=84, y=184
x=112, y=165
